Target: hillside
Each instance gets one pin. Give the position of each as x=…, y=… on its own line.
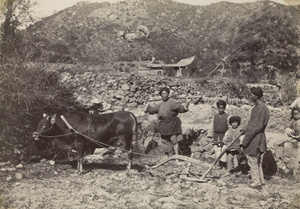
x=95, y=33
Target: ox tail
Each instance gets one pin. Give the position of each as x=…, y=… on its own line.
x=134, y=139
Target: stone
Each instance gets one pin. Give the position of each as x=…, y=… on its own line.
x=51, y=162
x=20, y=166
x=111, y=81
x=121, y=33
x=130, y=37
x=4, y=163
x=8, y=178
x=143, y=29
x=19, y=176
x=43, y=160
x=125, y=87
x=143, y=206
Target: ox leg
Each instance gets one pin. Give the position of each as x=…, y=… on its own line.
x=127, y=142
x=79, y=166
x=130, y=156
x=78, y=144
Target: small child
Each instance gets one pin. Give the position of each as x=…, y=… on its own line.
x=294, y=129
x=232, y=134
x=217, y=130
x=293, y=147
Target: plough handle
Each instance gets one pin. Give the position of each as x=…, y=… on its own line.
x=219, y=157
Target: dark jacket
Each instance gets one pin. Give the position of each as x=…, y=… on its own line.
x=167, y=111
x=218, y=127
x=255, y=141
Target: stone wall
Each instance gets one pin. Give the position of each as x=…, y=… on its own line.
x=131, y=90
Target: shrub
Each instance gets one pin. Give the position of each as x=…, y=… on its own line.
x=25, y=93
x=236, y=87
x=289, y=93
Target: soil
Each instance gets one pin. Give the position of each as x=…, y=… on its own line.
x=107, y=184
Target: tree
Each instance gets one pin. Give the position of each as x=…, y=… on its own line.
x=269, y=38
x=26, y=91
x=15, y=15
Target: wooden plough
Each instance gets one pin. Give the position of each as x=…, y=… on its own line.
x=204, y=178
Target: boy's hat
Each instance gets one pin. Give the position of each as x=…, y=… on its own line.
x=235, y=119
x=221, y=102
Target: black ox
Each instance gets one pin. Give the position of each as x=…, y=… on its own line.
x=81, y=131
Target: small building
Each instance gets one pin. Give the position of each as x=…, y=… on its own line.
x=150, y=71
x=154, y=68
x=182, y=64
x=158, y=68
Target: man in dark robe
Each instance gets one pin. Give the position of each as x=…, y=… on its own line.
x=254, y=143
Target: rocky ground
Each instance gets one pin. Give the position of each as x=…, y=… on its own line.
x=107, y=184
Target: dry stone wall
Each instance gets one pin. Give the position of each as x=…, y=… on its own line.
x=131, y=90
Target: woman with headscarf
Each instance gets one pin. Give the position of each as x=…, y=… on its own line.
x=169, y=124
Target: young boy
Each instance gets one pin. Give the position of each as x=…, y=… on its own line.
x=217, y=130
x=232, y=134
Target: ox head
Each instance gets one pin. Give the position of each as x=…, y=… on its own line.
x=45, y=125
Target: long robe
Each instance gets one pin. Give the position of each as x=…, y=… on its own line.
x=255, y=141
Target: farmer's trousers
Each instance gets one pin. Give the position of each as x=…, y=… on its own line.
x=168, y=142
x=255, y=163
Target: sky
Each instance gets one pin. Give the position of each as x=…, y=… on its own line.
x=48, y=7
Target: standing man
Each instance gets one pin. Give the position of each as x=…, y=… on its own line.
x=254, y=143
x=169, y=124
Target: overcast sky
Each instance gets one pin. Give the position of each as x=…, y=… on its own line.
x=48, y=7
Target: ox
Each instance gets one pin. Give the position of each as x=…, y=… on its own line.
x=82, y=131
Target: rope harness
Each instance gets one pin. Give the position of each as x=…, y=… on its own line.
x=56, y=136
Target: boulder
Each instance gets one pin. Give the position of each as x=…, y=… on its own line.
x=286, y=157
x=111, y=81
x=130, y=37
x=121, y=33
x=143, y=29
x=125, y=87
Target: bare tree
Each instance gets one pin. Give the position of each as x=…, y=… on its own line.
x=16, y=14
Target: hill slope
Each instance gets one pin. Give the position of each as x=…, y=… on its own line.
x=140, y=29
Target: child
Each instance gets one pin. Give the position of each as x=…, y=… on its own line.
x=218, y=127
x=294, y=129
x=293, y=147
x=232, y=134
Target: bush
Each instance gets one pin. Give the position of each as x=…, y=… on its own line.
x=289, y=93
x=236, y=88
x=25, y=93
